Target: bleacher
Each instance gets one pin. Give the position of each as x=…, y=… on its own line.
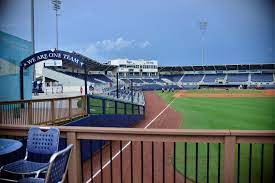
x=101, y=77
x=125, y=80
x=174, y=77
x=211, y=78
x=175, y=87
x=149, y=80
x=93, y=78
x=191, y=78
x=159, y=80
x=265, y=77
x=136, y=80
x=237, y=78
x=151, y=87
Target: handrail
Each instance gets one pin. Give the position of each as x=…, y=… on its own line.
x=38, y=100
x=42, y=111
x=113, y=99
x=228, y=137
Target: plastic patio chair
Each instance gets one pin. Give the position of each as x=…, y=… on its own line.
x=40, y=142
x=57, y=169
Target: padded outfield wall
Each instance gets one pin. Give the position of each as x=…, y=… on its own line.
x=12, y=51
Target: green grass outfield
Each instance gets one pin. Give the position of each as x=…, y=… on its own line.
x=237, y=91
x=247, y=113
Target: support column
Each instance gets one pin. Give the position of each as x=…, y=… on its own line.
x=117, y=85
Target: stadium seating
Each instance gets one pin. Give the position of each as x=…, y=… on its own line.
x=237, y=78
x=151, y=87
x=262, y=77
x=101, y=77
x=191, y=78
x=175, y=87
x=189, y=87
x=158, y=80
x=93, y=78
x=136, y=80
x=210, y=78
x=126, y=80
x=149, y=80
x=174, y=78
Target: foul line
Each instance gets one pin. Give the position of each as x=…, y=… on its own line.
x=129, y=142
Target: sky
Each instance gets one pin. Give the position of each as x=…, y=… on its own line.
x=238, y=31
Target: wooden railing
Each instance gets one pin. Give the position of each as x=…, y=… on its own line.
x=228, y=142
x=42, y=111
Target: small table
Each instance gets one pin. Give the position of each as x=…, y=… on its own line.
x=9, y=145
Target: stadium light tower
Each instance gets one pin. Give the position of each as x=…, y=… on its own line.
x=203, y=27
x=56, y=7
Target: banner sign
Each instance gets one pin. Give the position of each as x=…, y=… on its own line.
x=54, y=55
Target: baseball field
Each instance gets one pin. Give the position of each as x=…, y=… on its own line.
x=224, y=109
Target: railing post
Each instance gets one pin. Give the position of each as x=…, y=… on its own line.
x=103, y=106
x=138, y=109
x=70, y=108
x=52, y=110
x=125, y=108
x=88, y=105
x=1, y=114
x=229, y=159
x=74, y=169
x=115, y=107
x=84, y=105
x=143, y=107
x=30, y=113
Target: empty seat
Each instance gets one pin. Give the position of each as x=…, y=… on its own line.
x=192, y=78
x=237, y=77
x=262, y=77
x=211, y=78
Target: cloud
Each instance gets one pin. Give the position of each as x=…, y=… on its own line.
x=144, y=44
x=102, y=48
x=118, y=44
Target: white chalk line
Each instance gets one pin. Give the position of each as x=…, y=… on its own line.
x=129, y=142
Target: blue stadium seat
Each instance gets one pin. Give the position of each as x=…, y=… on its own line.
x=210, y=78
x=237, y=77
x=262, y=77
x=191, y=78
x=173, y=77
x=149, y=80
x=136, y=80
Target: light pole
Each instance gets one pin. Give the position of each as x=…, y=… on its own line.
x=32, y=30
x=56, y=7
x=203, y=27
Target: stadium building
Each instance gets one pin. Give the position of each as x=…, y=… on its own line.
x=135, y=68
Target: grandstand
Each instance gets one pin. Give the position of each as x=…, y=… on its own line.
x=173, y=77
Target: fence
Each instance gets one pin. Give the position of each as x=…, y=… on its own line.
x=160, y=155
x=42, y=111
x=101, y=105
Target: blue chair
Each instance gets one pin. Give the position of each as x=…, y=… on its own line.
x=57, y=169
x=41, y=142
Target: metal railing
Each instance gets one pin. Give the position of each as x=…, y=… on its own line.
x=104, y=105
x=167, y=155
x=42, y=111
